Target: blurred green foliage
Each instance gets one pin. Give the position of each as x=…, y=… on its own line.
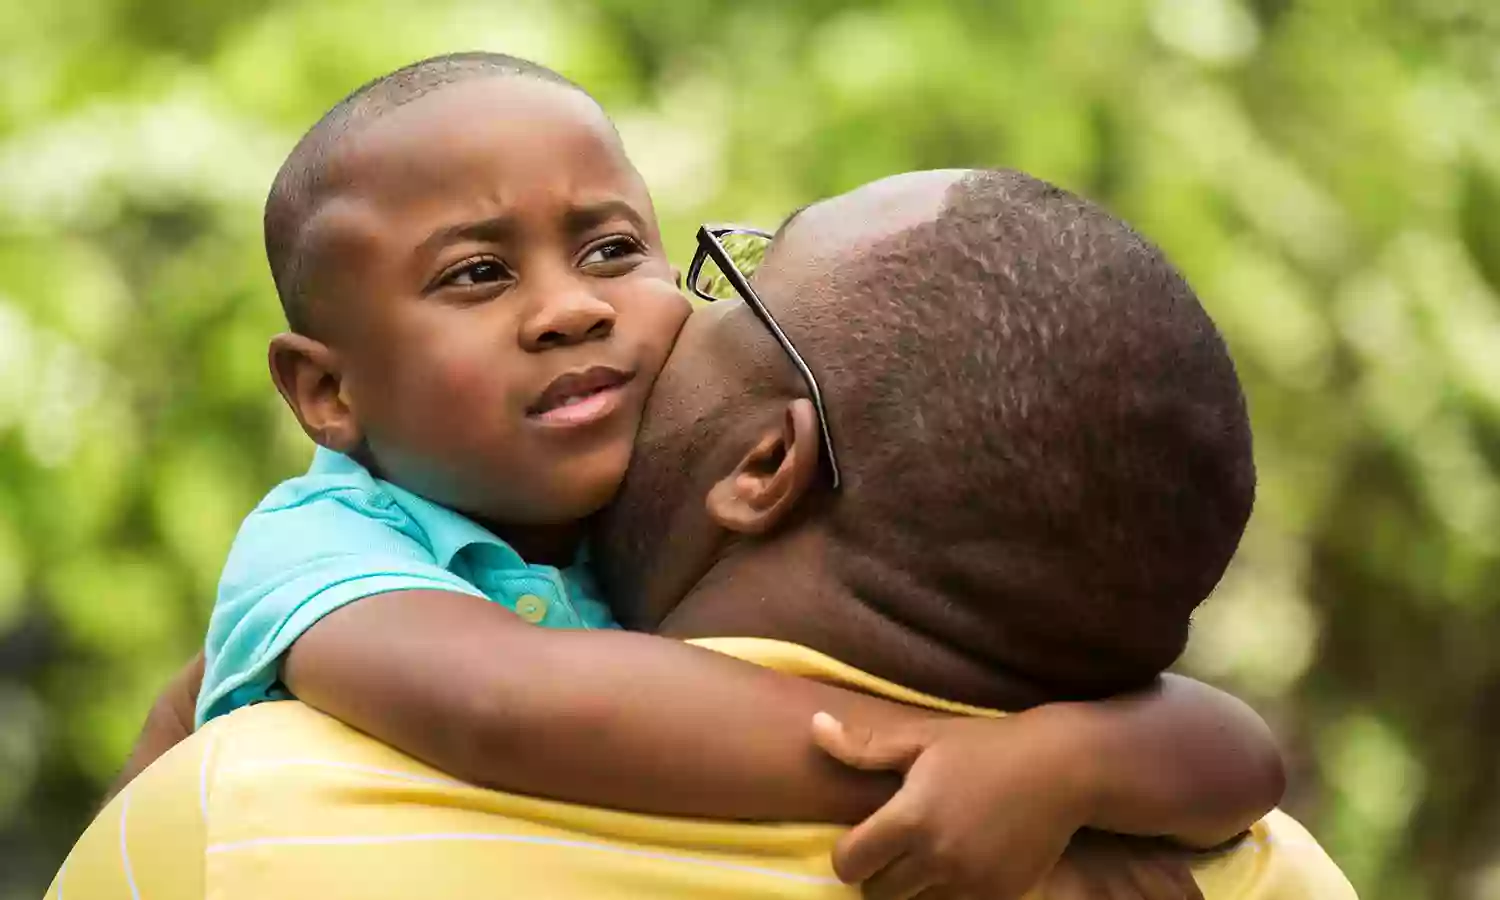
x=1327, y=172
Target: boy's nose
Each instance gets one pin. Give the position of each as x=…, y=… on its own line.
x=571, y=318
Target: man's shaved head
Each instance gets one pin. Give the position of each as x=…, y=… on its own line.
x=302, y=183
x=1045, y=448
x=1047, y=444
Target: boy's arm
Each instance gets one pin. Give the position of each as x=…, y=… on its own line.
x=607, y=718
x=652, y=725
x=168, y=723
x=330, y=595
x=1180, y=760
x=1183, y=760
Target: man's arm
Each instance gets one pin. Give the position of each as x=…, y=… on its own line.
x=607, y=718
x=167, y=724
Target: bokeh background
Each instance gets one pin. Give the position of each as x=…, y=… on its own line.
x=1327, y=172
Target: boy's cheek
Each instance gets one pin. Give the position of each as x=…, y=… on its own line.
x=448, y=394
x=468, y=374
x=459, y=376
x=664, y=313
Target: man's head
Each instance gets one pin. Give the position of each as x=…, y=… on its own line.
x=476, y=286
x=1045, y=449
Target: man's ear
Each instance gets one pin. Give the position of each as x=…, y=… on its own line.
x=308, y=375
x=773, y=476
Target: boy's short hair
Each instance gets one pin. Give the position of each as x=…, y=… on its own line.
x=295, y=193
x=1046, y=446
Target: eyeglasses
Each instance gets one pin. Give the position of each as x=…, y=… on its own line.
x=733, y=250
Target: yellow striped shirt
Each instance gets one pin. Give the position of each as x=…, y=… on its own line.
x=277, y=800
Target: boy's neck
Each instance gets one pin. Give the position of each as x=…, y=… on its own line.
x=546, y=545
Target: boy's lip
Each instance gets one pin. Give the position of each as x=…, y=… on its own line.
x=580, y=397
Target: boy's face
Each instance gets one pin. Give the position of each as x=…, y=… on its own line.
x=489, y=276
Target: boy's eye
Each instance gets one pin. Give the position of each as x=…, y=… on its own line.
x=616, y=249
x=480, y=271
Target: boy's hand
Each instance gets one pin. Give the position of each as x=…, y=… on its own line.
x=986, y=809
x=1121, y=868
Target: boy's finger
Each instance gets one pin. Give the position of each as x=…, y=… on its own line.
x=903, y=879
x=875, y=843
x=862, y=748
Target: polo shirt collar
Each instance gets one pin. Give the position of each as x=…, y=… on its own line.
x=448, y=532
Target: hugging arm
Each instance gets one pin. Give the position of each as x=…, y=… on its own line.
x=653, y=725
x=606, y=718
x=988, y=806
x=1182, y=760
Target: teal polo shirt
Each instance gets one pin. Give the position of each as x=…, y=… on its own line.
x=338, y=534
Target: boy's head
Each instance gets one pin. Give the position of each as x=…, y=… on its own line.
x=477, y=290
x=1044, y=446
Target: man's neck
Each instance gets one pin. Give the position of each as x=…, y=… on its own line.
x=786, y=590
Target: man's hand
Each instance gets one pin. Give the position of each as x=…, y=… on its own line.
x=985, y=811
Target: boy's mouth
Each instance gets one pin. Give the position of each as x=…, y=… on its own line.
x=578, y=398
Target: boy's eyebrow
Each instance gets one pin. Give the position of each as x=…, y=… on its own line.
x=500, y=229
x=591, y=215
x=497, y=229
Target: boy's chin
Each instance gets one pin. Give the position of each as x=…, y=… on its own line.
x=584, y=487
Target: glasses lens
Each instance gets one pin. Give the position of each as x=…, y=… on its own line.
x=746, y=250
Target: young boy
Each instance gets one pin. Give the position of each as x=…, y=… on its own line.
x=479, y=302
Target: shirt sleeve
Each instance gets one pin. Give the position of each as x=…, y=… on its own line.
x=292, y=565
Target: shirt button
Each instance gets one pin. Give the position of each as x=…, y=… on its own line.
x=531, y=608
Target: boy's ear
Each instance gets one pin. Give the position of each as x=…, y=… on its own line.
x=773, y=477
x=308, y=375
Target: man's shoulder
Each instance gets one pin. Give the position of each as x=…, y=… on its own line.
x=253, y=741
x=1277, y=860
